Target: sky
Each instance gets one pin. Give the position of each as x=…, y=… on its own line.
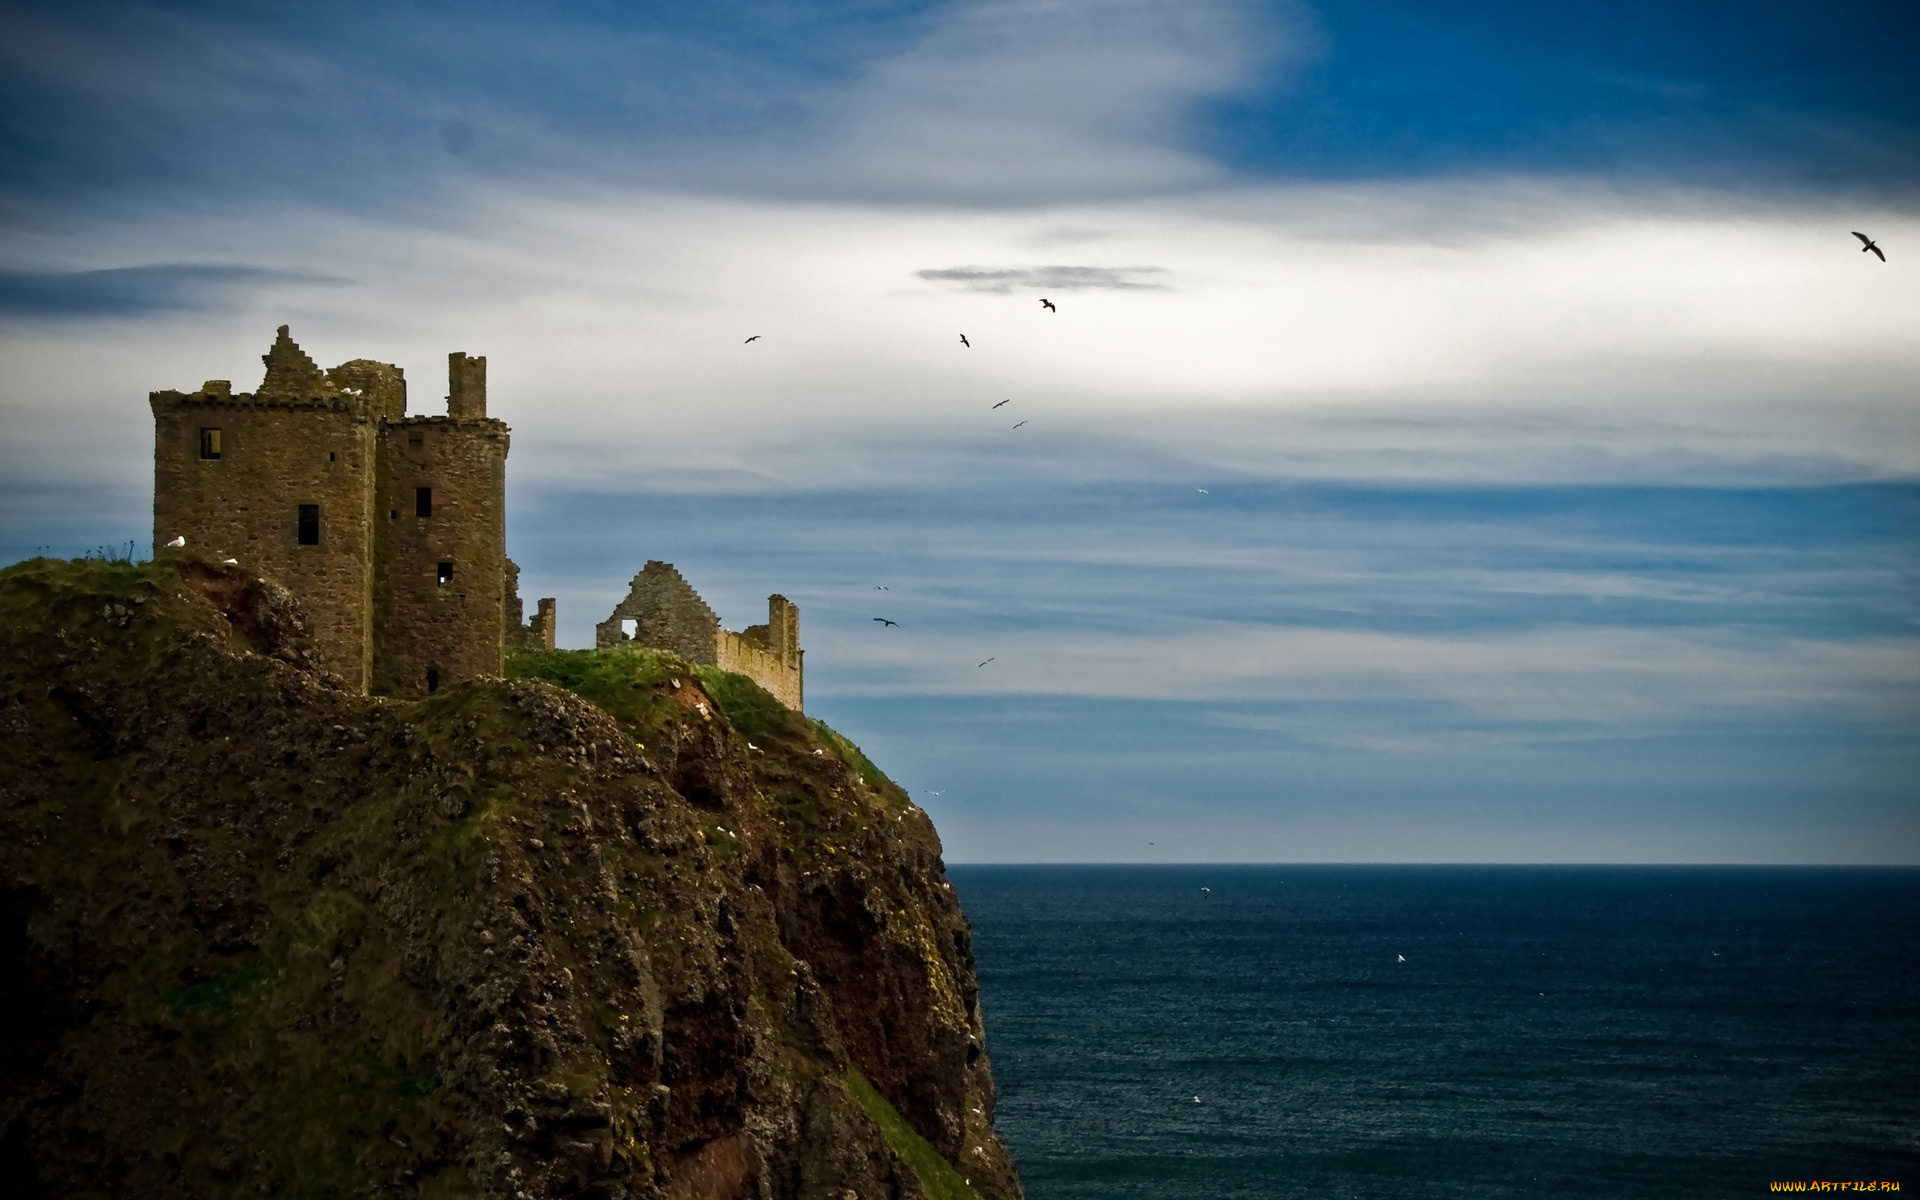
x=1465, y=433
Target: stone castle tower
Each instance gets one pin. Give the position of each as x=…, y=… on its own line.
x=390, y=529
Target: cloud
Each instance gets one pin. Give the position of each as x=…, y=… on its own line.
x=140, y=291
x=1595, y=677
x=1034, y=99
x=1056, y=279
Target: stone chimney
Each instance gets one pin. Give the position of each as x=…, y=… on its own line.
x=466, y=386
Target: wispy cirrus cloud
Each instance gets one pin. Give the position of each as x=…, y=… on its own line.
x=1055, y=278
x=144, y=290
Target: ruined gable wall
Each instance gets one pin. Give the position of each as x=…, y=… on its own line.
x=277, y=452
x=667, y=613
x=454, y=630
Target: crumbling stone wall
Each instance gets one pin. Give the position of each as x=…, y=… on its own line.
x=536, y=634
x=669, y=615
x=769, y=654
x=339, y=445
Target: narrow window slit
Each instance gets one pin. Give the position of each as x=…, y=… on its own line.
x=423, y=502
x=446, y=573
x=309, y=524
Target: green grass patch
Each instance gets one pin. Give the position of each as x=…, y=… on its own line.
x=624, y=683
x=936, y=1175
x=751, y=709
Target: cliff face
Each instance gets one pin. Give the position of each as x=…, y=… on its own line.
x=260, y=936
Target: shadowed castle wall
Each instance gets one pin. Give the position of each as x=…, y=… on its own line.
x=369, y=570
x=536, y=634
x=426, y=632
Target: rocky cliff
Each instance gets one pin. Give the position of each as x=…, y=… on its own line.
x=618, y=927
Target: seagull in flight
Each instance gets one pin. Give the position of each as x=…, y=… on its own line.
x=1867, y=243
x=884, y=621
x=965, y=342
x=985, y=663
x=881, y=587
x=1008, y=400
x=1021, y=423
x=1206, y=891
x=1047, y=304
x=936, y=793
x=1203, y=491
x=750, y=341
x=1401, y=957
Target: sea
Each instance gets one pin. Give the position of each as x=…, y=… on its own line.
x=1210, y=1032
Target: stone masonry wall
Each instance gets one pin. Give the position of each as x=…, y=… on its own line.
x=429, y=633
x=276, y=454
x=667, y=613
x=537, y=634
x=733, y=652
x=371, y=581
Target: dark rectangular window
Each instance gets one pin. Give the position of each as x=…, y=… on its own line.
x=423, y=502
x=309, y=524
x=209, y=443
x=446, y=574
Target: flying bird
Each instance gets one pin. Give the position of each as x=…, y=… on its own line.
x=1008, y=400
x=1021, y=423
x=985, y=663
x=881, y=587
x=177, y=542
x=1203, y=491
x=1401, y=957
x=1867, y=243
x=1047, y=304
x=936, y=793
x=965, y=342
x=1206, y=891
x=750, y=341
x=884, y=621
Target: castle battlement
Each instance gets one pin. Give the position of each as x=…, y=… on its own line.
x=390, y=529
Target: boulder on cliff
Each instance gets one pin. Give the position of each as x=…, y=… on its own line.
x=619, y=927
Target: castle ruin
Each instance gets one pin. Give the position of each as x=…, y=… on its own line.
x=662, y=610
x=390, y=529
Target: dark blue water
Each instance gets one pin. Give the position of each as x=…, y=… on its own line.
x=1553, y=1031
